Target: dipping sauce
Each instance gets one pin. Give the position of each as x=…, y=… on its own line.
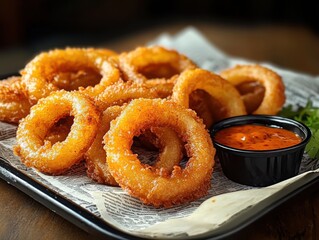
x=256, y=137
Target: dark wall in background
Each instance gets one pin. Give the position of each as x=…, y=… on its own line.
x=31, y=22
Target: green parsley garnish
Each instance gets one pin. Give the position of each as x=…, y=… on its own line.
x=309, y=115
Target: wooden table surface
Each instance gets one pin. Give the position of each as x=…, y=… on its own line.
x=292, y=47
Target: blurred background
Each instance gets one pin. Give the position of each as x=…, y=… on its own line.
x=27, y=27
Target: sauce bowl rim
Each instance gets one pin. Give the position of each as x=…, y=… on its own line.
x=260, y=119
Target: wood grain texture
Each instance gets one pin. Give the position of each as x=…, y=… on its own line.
x=297, y=218
x=292, y=47
x=21, y=217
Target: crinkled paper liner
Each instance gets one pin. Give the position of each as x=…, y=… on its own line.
x=221, y=209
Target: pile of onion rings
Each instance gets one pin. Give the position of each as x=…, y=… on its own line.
x=108, y=109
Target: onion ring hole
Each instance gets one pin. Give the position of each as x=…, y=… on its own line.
x=207, y=107
x=151, y=150
x=60, y=130
x=73, y=79
x=163, y=70
x=252, y=93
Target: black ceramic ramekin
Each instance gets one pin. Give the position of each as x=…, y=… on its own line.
x=261, y=168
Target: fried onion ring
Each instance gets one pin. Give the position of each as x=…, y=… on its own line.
x=14, y=101
x=146, y=182
x=274, y=96
x=35, y=151
x=153, y=63
x=53, y=70
x=157, y=67
x=110, y=100
x=168, y=143
x=218, y=88
x=166, y=140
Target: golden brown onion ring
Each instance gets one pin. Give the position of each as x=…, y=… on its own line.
x=35, y=151
x=153, y=63
x=167, y=141
x=218, y=88
x=40, y=75
x=110, y=100
x=274, y=97
x=14, y=101
x=146, y=182
x=169, y=144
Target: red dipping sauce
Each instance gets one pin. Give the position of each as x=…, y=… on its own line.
x=256, y=137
